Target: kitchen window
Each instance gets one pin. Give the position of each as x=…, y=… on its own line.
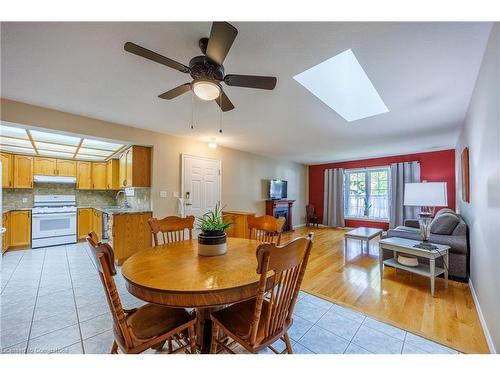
x=366, y=193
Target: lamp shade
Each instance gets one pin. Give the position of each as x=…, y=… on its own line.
x=426, y=194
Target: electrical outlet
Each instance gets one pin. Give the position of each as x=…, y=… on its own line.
x=25, y=200
x=163, y=194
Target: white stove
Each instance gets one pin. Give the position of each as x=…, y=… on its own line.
x=54, y=220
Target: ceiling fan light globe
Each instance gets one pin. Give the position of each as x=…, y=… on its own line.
x=206, y=90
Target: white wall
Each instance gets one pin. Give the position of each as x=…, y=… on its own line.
x=481, y=133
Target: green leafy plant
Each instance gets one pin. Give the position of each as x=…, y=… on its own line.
x=213, y=221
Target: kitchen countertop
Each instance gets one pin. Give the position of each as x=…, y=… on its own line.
x=118, y=210
x=108, y=210
x=9, y=209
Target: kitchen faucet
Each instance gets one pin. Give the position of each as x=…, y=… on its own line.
x=125, y=202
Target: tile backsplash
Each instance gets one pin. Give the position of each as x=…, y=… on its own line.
x=13, y=198
x=140, y=201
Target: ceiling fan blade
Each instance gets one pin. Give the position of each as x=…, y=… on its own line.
x=175, y=92
x=256, y=82
x=221, y=39
x=224, y=102
x=156, y=57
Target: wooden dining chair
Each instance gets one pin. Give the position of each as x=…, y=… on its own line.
x=265, y=228
x=172, y=229
x=259, y=322
x=148, y=326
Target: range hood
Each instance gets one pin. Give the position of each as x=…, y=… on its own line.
x=54, y=179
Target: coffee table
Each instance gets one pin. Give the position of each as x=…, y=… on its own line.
x=363, y=234
x=406, y=246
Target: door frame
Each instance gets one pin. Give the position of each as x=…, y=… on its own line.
x=183, y=161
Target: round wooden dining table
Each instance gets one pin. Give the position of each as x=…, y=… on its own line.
x=175, y=275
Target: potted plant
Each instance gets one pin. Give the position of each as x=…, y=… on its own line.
x=212, y=239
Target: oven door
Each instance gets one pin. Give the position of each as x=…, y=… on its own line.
x=53, y=225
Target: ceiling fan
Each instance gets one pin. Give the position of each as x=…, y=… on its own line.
x=207, y=70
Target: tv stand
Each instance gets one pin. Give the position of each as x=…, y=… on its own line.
x=281, y=208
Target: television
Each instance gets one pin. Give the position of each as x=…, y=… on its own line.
x=277, y=189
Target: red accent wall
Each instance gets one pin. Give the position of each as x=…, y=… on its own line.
x=436, y=166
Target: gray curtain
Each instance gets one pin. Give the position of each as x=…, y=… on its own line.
x=333, y=204
x=402, y=173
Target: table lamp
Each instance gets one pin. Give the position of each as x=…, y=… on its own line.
x=427, y=195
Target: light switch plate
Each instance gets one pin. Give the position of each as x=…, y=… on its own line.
x=163, y=194
x=25, y=200
x=176, y=194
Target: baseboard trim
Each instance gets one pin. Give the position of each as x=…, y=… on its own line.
x=486, y=331
x=299, y=225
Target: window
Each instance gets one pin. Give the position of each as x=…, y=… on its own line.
x=366, y=193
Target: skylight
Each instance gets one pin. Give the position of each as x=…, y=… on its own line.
x=342, y=84
x=43, y=143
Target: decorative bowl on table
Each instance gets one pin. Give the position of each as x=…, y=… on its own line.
x=408, y=260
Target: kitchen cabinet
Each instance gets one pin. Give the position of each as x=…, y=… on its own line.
x=20, y=223
x=44, y=166
x=238, y=219
x=54, y=167
x=66, y=168
x=23, y=172
x=6, y=234
x=112, y=174
x=7, y=167
x=135, y=167
x=84, y=175
x=99, y=176
x=97, y=223
x=128, y=234
x=84, y=222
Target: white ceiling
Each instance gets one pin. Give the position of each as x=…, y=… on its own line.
x=424, y=72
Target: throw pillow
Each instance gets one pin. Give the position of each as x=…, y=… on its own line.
x=444, y=223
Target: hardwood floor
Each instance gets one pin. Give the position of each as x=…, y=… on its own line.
x=402, y=299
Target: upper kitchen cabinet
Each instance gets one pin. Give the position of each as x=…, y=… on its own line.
x=66, y=168
x=45, y=167
x=84, y=175
x=54, y=167
x=23, y=172
x=7, y=166
x=135, y=167
x=99, y=180
x=113, y=174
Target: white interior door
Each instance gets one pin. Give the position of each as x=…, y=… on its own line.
x=201, y=184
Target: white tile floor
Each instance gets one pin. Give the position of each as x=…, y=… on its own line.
x=52, y=301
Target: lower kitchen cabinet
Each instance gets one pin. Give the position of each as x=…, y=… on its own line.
x=84, y=222
x=20, y=234
x=6, y=234
x=129, y=233
x=97, y=223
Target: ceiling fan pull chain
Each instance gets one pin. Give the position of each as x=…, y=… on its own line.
x=220, y=124
x=192, y=110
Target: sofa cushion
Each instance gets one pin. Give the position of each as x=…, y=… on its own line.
x=405, y=228
x=444, y=223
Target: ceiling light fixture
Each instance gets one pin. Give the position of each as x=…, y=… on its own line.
x=206, y=90
x=212, y=144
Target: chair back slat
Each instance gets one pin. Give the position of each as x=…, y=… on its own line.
x=104, y=259
x=281, y=270
x=171, y=228
x=266, y=228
